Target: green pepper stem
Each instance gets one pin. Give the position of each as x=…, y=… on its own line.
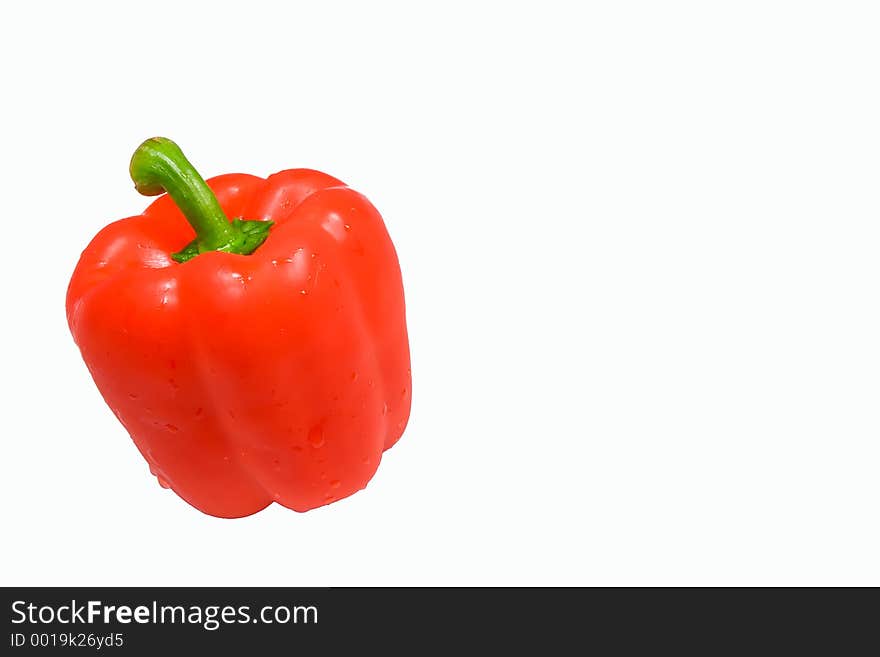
x=158, y=165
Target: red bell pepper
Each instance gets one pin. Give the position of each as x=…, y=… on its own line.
x=246, y=379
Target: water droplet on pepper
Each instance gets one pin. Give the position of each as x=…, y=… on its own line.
x=316, y=436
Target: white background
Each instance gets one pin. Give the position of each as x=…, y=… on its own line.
x=641, y=249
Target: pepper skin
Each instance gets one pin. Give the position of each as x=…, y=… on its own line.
x=279, y=376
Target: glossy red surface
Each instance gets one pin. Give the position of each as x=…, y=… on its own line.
x=278, y=376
